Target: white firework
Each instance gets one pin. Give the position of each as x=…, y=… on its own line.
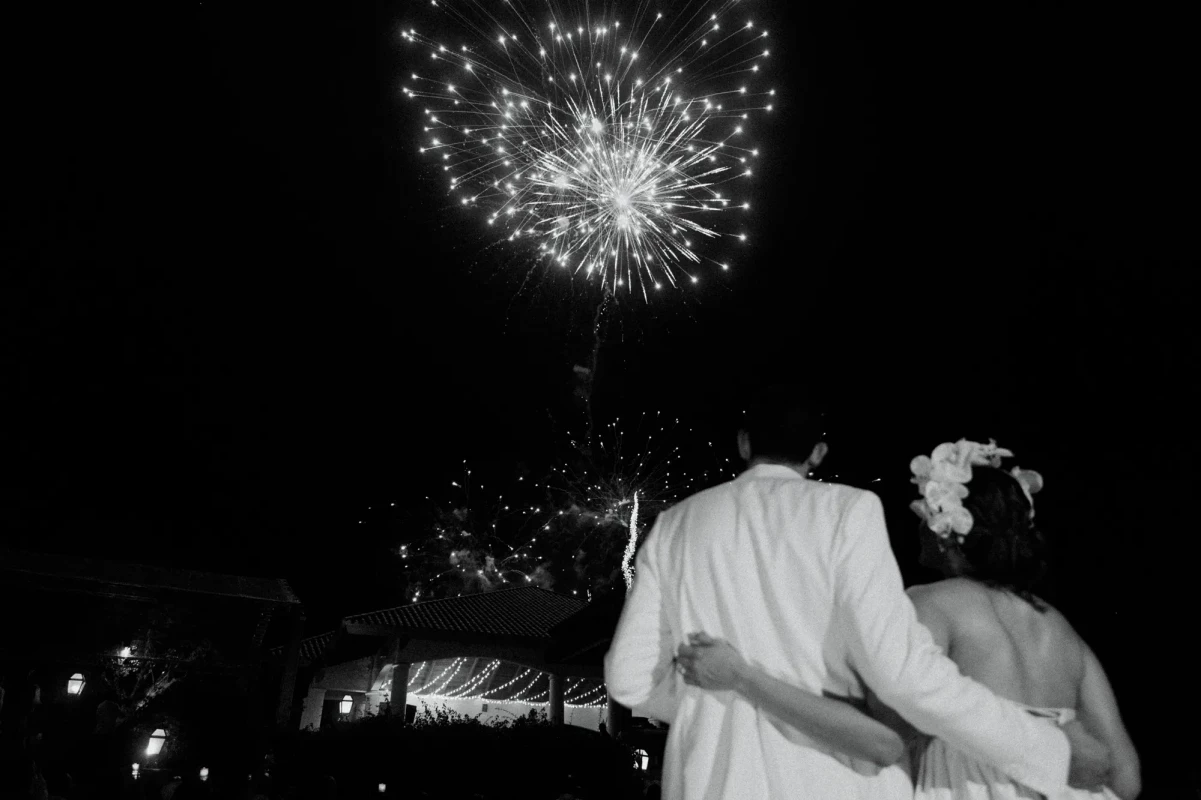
x=615, y=146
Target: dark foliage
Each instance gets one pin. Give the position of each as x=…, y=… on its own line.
x=449, y=756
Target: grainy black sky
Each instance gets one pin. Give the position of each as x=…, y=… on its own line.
x=236, y=309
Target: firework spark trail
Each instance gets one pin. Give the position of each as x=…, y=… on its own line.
x=655, y=458
x=608, y=144
x=631, y=547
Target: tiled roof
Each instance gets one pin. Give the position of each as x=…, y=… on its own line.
x=585, y=637
x=310, y=648
x=526, y=611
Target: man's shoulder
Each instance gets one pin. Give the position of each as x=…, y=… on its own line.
x=840, y=499
x=837, y=497
x=852, y=494
x=714, y=494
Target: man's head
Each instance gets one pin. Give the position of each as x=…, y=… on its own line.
x=784, y=426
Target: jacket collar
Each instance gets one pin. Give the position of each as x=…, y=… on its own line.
x=772, y=471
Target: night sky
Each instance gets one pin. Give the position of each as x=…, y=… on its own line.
x=236, y=308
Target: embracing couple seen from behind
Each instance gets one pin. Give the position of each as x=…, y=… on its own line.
x=768, y=625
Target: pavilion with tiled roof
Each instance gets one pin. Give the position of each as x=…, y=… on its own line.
x=494, y=646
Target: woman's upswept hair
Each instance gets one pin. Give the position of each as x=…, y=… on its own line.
x=1004, y=548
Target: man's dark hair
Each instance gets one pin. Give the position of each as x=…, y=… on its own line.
x=1004, y=549
x=783, y=423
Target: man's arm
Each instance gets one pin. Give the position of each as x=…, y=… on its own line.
x=638, y=667
x=901, y=663
x=714, y=665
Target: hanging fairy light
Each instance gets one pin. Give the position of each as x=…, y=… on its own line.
x=579, y=693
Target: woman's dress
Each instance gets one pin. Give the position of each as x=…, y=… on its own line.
x=944, y=773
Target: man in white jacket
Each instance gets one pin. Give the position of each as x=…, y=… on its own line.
x=799, y=577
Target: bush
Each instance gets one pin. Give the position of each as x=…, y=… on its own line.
x=451, y=756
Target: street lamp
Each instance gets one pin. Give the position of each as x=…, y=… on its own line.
x=156, y=742
x=75, y=683
x=346, y=704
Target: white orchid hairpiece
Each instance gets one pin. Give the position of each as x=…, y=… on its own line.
x=942, y=479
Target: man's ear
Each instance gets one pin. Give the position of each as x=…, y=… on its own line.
x=744, y=445
x=818, y=455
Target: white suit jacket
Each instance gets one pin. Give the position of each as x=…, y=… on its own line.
x=799, y=576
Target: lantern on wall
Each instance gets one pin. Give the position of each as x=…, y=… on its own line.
x=383, y=787
x=204, y=773
x=346, y=704
x=135, y=771
x=644, y=759
x=75, y=683
x=125, y=652
x=155, y=745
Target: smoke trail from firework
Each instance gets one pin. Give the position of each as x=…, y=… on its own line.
x=612, y=143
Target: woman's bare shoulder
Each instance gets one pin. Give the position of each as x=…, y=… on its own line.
x=1056, y=621
x=949, y=590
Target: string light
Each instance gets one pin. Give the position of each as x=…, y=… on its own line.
x=581, y=693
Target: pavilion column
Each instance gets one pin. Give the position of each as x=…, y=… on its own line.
x=311, y=715
x=374, y=699
x=556, y=699
x=362, y=703
x=400, y=691
x=287, y=683
x=617, y=718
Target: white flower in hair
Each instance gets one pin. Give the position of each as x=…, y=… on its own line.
x=941, y=478
x=952, y=463
x=944, y=496
x=959, y=519
x=1031, y=483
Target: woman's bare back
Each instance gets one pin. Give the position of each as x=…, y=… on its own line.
x=1002, y=641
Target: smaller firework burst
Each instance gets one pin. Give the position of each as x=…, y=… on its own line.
x=610, y=491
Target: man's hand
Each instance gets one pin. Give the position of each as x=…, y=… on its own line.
x=1090, y=764
x=709, y=663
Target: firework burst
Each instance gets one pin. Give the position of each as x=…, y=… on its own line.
x=575, y=531
x=614, y=144
x=610, y=494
